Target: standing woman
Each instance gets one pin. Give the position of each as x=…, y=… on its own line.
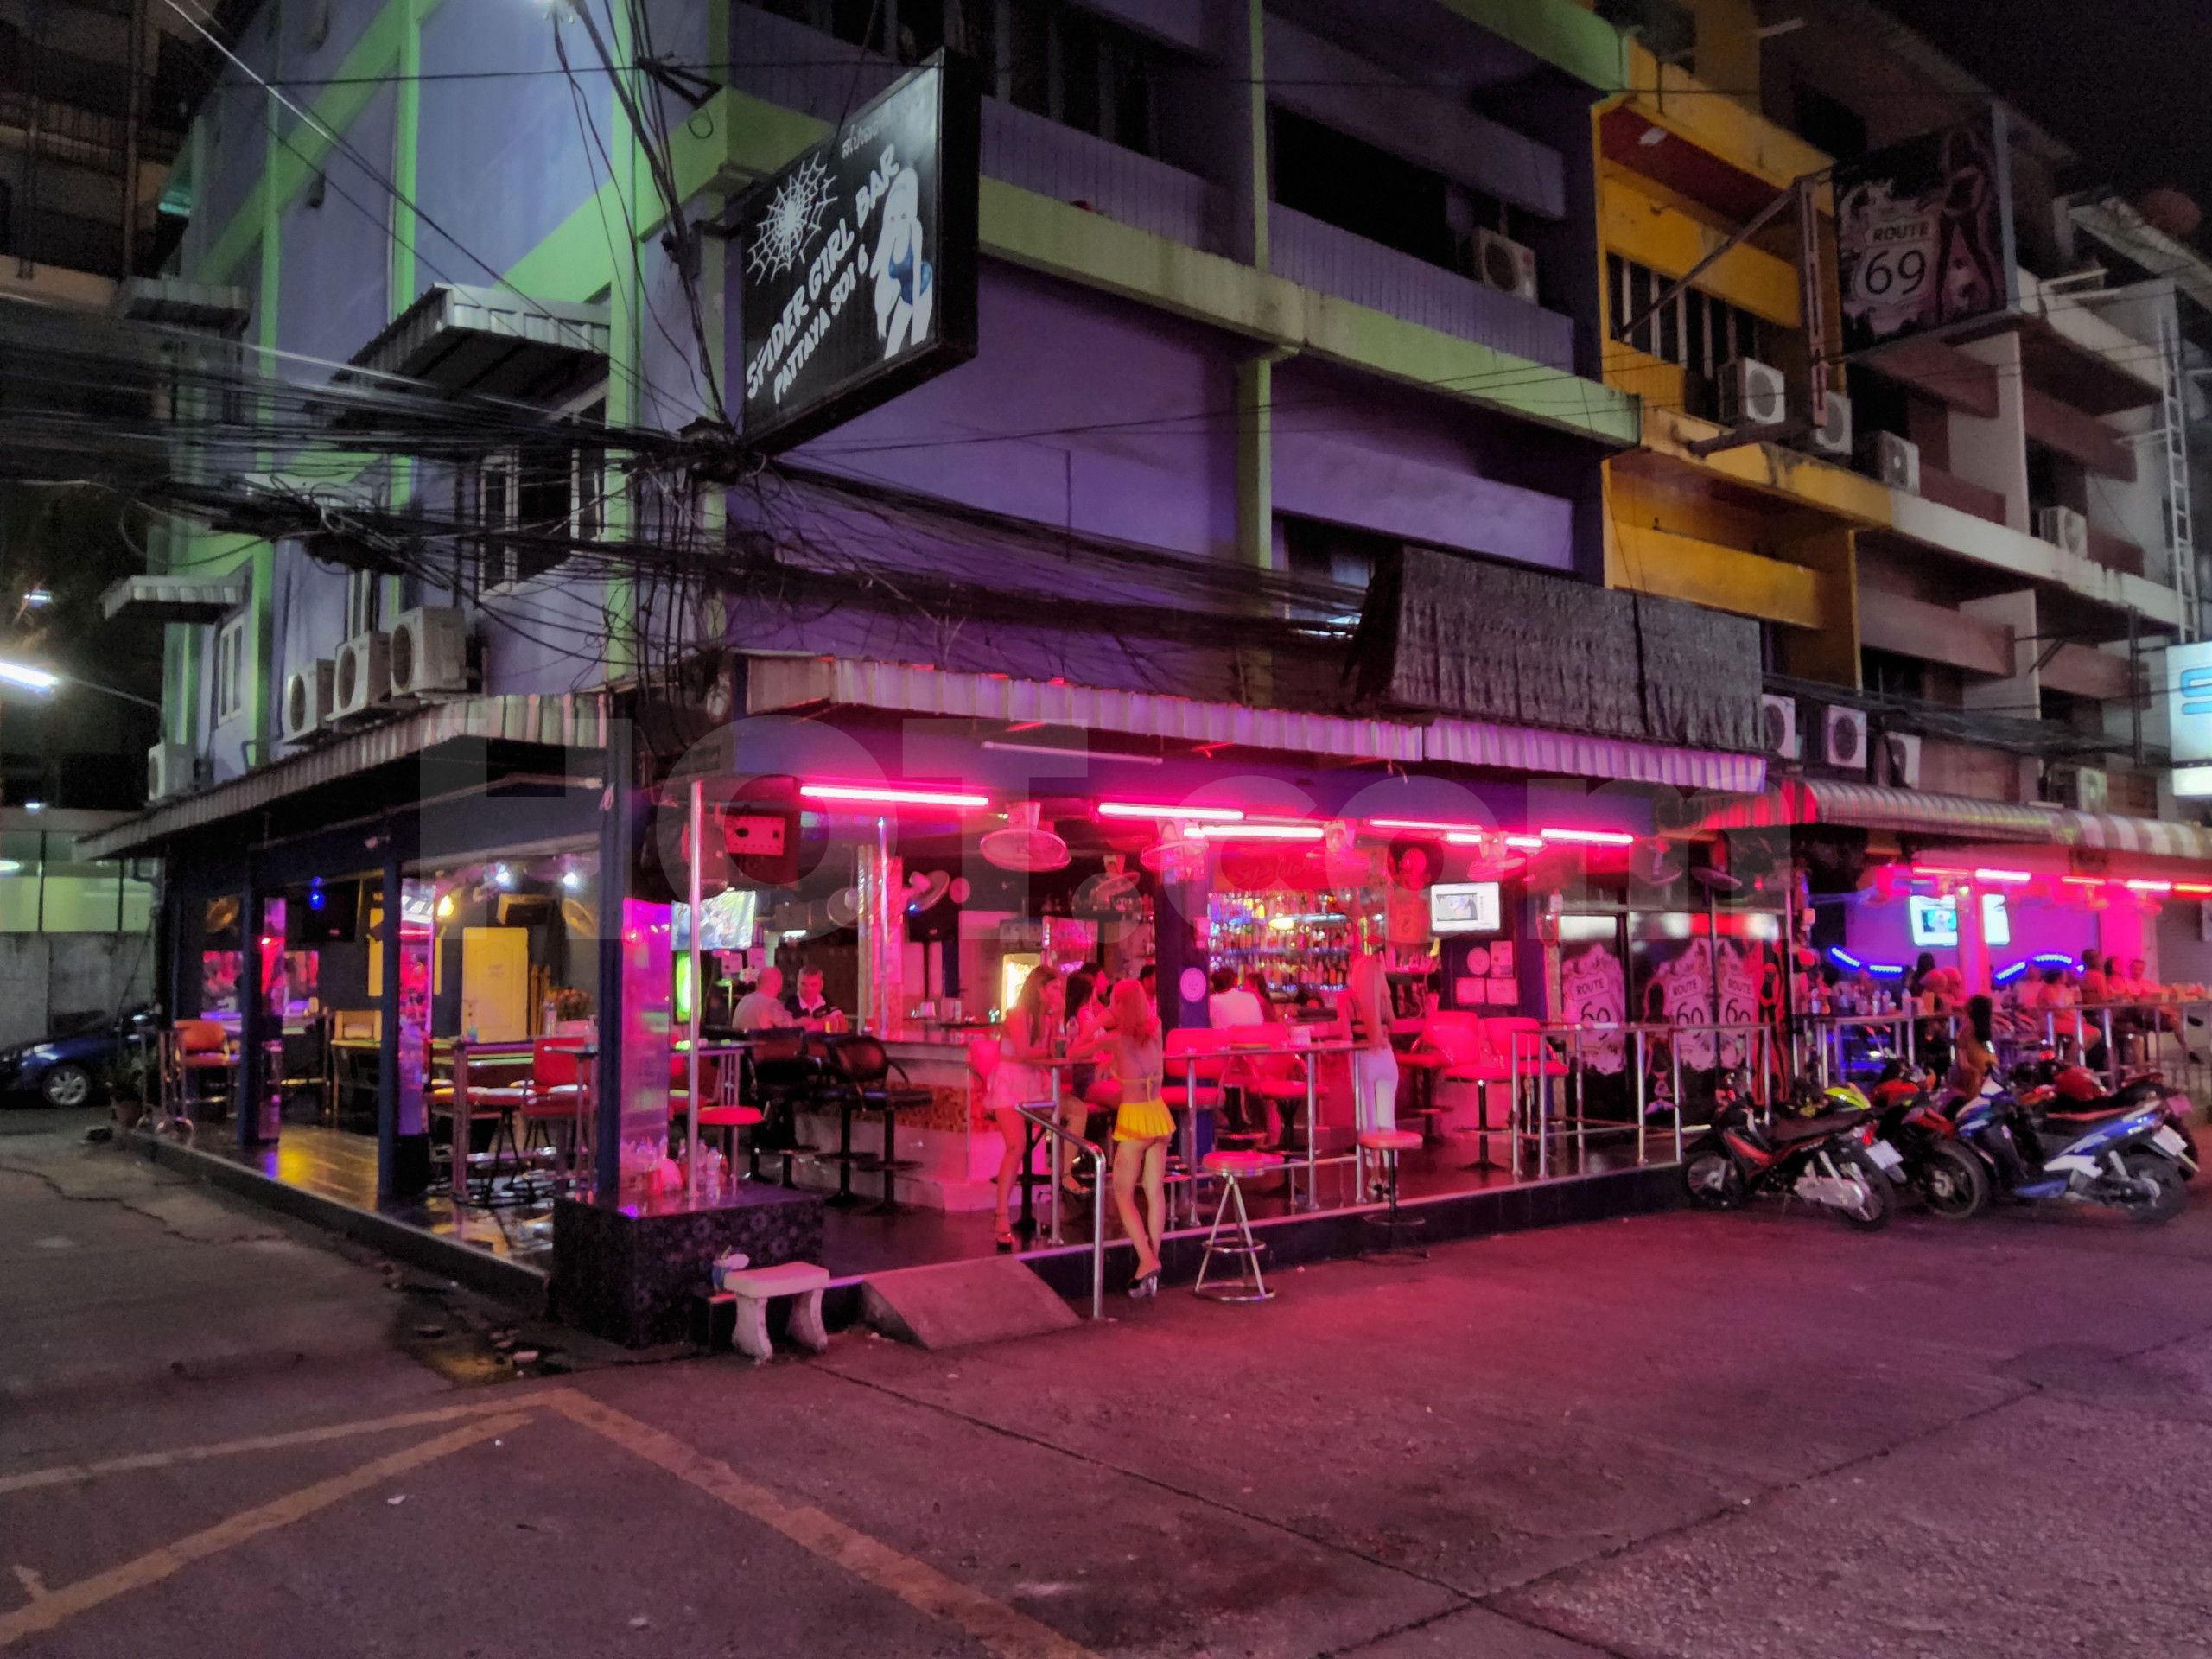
x=1142, y=1127
x=1032, y=1035
x=1086, y=1014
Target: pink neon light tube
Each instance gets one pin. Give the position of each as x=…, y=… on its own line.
x=1187, y=814
x=873, y=795
x=2003, y=878
x=1257, y=831
x=1589, y=837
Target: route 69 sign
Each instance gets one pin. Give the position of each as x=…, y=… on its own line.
x=1924, y=234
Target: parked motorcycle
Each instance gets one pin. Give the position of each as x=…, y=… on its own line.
x=1835, y=1159
x=2076, y=1089
x=2126, y=1156
x=1951, y=1179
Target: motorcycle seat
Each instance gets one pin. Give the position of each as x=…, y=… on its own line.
x=2095, y=1114
x=1787, y=1131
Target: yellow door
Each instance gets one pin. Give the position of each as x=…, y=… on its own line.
x=495, y=983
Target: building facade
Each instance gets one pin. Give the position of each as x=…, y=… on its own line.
x=1439, y=329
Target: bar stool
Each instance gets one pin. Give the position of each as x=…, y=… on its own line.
x=876, y=1083
x=1393, y=1224
x=1235, y=1168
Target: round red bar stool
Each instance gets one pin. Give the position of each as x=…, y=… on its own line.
x=1232, y=1236
x=729, y=1119
x=1393, y=1225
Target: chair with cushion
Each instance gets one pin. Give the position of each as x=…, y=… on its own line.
x=1461, y=1050
x=874, y=1082
x=560, y=1100
x=785, y=1078
x=1278, y=1079
x=201, y=1062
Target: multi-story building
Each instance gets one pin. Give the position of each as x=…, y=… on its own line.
x=1510, y=330
x=1264, y=312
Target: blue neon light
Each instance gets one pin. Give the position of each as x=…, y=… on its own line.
x=2006, y=975
x=2054, y=959
x=1844, y=956
x=1885, y=969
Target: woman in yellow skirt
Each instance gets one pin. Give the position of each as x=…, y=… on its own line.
x=1142, y=1127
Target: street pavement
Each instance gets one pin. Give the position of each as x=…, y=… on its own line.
x=1682, y=1434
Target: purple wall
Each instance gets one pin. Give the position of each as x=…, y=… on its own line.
x=333, y=281
x=1350, y=451
x=1079, y=412
x=502, y=162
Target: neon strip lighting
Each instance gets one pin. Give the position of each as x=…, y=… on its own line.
x=2003, y=878
x=1257, y=831
x=2055, y=959
x=1191, y=814
x=1845, y=957
x=1423, y=825
x=31, y=679
x=1886, y=970
x=2198, y=888
x=1526, y=844
x=1589, y=837
x=874, y=796
x=2006, y=975
x=2148, y=886
x=1466, y=838
x=2082, y=880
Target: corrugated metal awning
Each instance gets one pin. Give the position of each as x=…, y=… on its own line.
x=1871, y=806
x=2153, y=837
x=171, y=299
x=173, y=599
x=1910, y=812
x=775, y=684
x=491, y=340
x=576, y=721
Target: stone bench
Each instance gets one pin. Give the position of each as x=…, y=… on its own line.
x=755, y=1288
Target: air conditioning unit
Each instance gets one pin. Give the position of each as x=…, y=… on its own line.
x=1896, y=463
x=1833, y=435
x=171, y=769
x=2063, y=527
x=1901, y=759
x=1752, y=393
x=1783, y=741
x=1505, y=265
x=428, y=651
x=2086, y=789
x=306, y=699
x=1843, y=739
x=363, y=678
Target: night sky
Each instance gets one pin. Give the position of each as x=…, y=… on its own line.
x=2126, y=83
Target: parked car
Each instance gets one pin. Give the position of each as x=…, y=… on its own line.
x=75, y=1063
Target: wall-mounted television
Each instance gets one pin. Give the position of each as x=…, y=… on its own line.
x=1935, y=922
x=1463, y=907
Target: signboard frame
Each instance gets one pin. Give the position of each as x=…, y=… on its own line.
x=1903, y=212
x=820, y=298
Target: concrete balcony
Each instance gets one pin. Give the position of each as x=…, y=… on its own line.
x=1320, y=256
x=1070, y=166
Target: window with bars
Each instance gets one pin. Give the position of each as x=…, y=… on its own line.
x=361, y=594
x=1693, y=330
x=529, y=506
x=230, y=669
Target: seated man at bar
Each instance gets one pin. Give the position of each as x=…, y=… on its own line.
x=809, y=1006
x=762, y=1008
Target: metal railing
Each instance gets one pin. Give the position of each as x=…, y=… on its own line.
x=1043, y=1115
x=1547, y=1068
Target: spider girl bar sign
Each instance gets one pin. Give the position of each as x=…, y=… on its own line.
x=1923, y=234
x=856, y=264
